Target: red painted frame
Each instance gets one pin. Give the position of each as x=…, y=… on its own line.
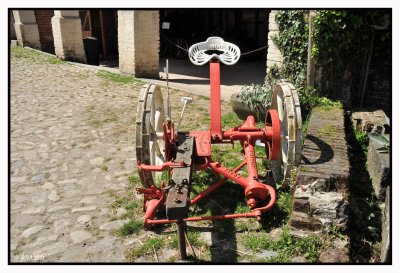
x=256, y=193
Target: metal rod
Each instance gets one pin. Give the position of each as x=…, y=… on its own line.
x=251, y=214
x=181, y=117
x=168, y=102
x=180, y=227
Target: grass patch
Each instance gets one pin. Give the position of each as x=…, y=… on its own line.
x=286, y=245
x=33, y=56
x=327, y=130
x=193, y=237
x=104, y=168
x=133, y=180
x=117, y=78
x=98, y=120
x=230, y=120
x=203, y=97
x=280, y=213
x=148, y=247
x=132, y=227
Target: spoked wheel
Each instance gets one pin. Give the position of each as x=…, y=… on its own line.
x=149, y=132
x=181, y=51
x=286, y=101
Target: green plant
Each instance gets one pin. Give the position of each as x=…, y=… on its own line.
x=134, y=179
x=192, y=236
x=33, y=56
x=363, y=140
x=148, y=247
x=257, y=97
x=286, y=245
x=132, y=227
x=309, y=98
x=341, y=40
x=292, y=43
x=336, y=232
x=117, y=77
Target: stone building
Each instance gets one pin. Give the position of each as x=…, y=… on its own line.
x=132, y=38
x=135, y=39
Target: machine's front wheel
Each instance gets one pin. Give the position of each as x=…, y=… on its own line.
x=286, y=101
x=149, y=132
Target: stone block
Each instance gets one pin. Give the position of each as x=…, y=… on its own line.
x=368, y=120
x=272, y=25
x=336, y=252
x=301, y=205
x=302, y=221
x=386, y=249
x=378, y=165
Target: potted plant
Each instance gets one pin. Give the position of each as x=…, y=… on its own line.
x=252, y=100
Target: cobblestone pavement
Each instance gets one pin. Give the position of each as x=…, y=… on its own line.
x=71, y=145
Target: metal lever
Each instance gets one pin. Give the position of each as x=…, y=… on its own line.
x=184, y=100
x=166, y=71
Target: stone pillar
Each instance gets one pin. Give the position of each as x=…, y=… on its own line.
x=13, y=35
x=26, y=28
x=274, y=56
x=138, y=42
x=67, y=34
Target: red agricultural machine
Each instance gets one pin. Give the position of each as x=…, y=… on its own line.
x=161, y=148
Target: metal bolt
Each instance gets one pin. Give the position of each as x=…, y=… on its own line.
x=185, y=181
x=176, y=200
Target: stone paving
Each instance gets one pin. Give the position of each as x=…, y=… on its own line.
x=67, y=127
x=72, y=148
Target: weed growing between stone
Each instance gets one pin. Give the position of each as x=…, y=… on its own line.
x=286, y=246
x=149, y=246
x=132, y=227
x=117, y=78
x=33, y=56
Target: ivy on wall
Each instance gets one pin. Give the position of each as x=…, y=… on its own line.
x=292, y=42
x=341, y=41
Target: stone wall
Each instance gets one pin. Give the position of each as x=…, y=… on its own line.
x=378, y=166
x=320, y=199
x=43, y=19
x=138, y=42
x=274, y=56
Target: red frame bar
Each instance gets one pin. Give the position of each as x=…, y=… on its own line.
x=215, y=101
x=247, y=133
x=256, y=213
